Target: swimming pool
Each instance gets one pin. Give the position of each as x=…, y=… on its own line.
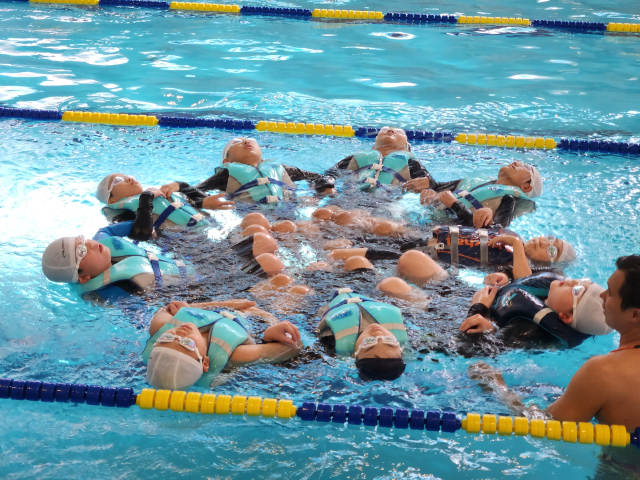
x=521, y=81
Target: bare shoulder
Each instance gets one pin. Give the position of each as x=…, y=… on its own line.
x=595, y=368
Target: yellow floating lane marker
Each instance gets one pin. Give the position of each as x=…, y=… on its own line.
x=305, y=129
x=570, y=432
x=623, y=27
x=347, y=14
x=208, y=404
x=205, y=7
x=523, y=22
x=110, y=118
x=538, y=143
x=68, y=2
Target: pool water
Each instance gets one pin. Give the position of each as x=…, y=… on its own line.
x=496, y=80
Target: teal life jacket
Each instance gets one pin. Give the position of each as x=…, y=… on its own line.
x=482, y=191
x=176, y=211
x=135, y=261
x=374, y=170
x=347, y=310
x=263, y=183
x=227, y=329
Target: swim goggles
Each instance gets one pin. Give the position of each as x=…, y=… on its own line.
x=81, y=252
x=552, y=250
x=577, y=291
x=370, y=342
x=386, y=129
x=184, y=342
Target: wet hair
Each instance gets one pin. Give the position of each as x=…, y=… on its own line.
x=630, y=289
x=380, y=368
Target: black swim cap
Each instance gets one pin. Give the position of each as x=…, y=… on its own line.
x=244, y=247
x=380, y=368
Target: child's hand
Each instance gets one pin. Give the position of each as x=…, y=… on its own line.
x=283, y=332
x=175, y=306
x=476, y=324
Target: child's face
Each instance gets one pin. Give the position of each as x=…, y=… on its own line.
x=560, y=297
x=187, y=330
x=380, y=349
x=537, y=249
x=245, y=151
x=126, y=186
x=96, y=261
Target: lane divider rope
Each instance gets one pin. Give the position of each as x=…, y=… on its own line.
x=253, y=406
x=359, y=15
x=299, y=128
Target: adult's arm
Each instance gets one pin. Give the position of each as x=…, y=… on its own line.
x=504, y=214
x=581, y=401
x=217, y=181
x=268, y=352
x=320, y=182
x=195, y=195
x=337, y=169
x=121, y=229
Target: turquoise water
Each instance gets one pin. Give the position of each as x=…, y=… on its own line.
x=520, y=80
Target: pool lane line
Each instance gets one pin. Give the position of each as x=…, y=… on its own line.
x=356, y=415
x=360, y=15
x=345, y=131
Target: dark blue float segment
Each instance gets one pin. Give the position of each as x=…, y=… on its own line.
x=563, y=24
x=275, y=11
x=5, y=387
x=370, y=417
x=324, y=412
x=307, y=411
x=78, y=393
x=401, y=419
x=108, y=398
x=450, y=423
x=63, y=392
x=48, y=392
x=339, y=413
x=355, y=414
x=29, y=113
x=18, y=389
x=417, y=420
x=635, y=437
x=32, y=391
x=93, y=395
x=190, y=122
x=123, y=397
x=386, y=417
x=432, y=421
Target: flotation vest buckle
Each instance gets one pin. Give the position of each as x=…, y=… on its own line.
x=376, y=166
x=344, y=290
x=354, y=300
x=272, y=198
x=263, y=181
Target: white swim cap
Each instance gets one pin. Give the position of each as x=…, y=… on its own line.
x=589, y=316
x=568, y=253
x=230, y=143
x=59, y=260
x=536, y=183
x=103, y=191
x=172, y=370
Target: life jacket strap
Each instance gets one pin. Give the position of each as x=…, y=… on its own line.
x=256, y=183
x=484, y=248
x=541, y=314
x=183, y=269
x=155, y=264
x=469, y=198
x=381, y=168
x=455, y=236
